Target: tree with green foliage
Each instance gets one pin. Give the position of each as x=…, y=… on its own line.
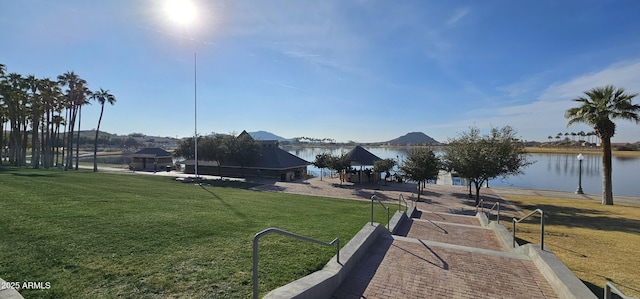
x=597, y=109
x=322, y=161
x=383, y=166
x=420, y=165
x=221, y=148
x=340, y=164
x=481, y=158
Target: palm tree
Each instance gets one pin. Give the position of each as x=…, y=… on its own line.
x=3, y=109
x=15, y=97
x=76, y=96
x=84, y=94
x=102, y=96
x=50, y=93
x=34, y=85
x=600, y=105
x=69, y=79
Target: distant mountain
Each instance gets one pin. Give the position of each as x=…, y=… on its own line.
x=413, y=138
x=262, y=135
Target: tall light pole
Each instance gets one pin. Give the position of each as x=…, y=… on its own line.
x=183, y=12
x=580, y=158
x=195, y=111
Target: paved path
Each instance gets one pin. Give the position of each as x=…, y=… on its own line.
x=442, y=251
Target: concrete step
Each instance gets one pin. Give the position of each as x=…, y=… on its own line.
x=409, y=268
x=451, y=233
x=447, y=217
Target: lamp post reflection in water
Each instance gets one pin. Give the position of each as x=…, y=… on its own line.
x=580, y=158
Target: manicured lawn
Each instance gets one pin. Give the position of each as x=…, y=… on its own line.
x=595, y=241
x=103, y=235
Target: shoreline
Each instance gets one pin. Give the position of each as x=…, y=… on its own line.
x=541, y=150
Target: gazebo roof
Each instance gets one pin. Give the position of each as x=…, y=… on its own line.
x=152, y=152
x=361, y=157
x=277, y=158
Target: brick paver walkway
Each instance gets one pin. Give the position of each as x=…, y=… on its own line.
x=451, y=233
x=441, y=253
x=404, y=269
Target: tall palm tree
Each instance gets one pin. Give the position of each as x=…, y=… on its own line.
x=35, y=104
x=58, y=121
x=3, y=109
x=597, y=109
x=70, y=80
x=76, y=96
x=51, y=95
x=83, y=96
x=102, y=96
x=15, y=97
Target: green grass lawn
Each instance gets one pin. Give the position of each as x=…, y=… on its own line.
x=595, y=241
x=103, y=235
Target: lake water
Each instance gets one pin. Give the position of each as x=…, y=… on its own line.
x=549, y=172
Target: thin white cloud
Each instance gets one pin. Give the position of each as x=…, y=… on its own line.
x=281, y=84
x=623, y=74
x=457, y=16
x=545, y=115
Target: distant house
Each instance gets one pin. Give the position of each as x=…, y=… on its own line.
x=272, y=162
x=152, y=159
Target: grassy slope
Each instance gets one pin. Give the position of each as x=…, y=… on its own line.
x=593, y=240
x=112, y=235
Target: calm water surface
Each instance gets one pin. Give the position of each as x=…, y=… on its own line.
x=549, y=172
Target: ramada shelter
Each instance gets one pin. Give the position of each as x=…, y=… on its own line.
x=151, y=159
x=273, y=162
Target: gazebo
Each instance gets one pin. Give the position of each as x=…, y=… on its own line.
x=362, y=157
x=151, y=159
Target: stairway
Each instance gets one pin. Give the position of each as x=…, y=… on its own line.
x=442, y=255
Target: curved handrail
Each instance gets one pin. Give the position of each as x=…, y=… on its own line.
x=286, y=233
x=612, y=286
x=496, y=204
x=480, y=205
x=541, y=227
x=373, y=197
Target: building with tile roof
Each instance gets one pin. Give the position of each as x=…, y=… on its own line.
x=272, y=162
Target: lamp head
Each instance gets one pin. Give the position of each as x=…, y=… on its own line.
x=580, y=157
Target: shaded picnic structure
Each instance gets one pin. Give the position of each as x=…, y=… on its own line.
x=151, y=159
x=272, y=162
x=359, y=156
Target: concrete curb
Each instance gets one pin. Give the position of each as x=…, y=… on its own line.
x=563, y=281
x=9, y=293
x=323, y=283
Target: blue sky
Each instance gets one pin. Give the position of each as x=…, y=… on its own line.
x=367, y=70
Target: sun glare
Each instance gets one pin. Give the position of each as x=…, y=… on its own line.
x=180, y=11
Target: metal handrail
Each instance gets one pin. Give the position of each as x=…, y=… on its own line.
x=373, y=197
x=406, y=205
x=286, y=233
x=541, y=227
x=612, y=286
x=480, y=205
x=496, y=204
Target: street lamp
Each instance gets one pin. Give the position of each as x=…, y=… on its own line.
x=580, y=158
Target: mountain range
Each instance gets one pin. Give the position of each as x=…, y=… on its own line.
x=413, y=138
